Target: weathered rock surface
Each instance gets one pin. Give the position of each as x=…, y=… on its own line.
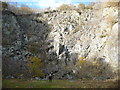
x=60, y=39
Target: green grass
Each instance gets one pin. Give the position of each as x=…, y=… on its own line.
x=17, y=83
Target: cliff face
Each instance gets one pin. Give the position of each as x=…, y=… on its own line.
x=71, y=44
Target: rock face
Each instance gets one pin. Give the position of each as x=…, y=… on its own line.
x=64, y=41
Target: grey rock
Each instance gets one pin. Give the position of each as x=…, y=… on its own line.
x=60, y=39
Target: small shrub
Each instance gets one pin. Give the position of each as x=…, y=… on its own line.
x=4, y=5
x=73, y=7
x=26, y=10
x=92, y=69
x=90, y=6
x=34, y=65
x=95, y=63
x=81, y=61
x=81, y=6
x=64, y=7
x=34, y=47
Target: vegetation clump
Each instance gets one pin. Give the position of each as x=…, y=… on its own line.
x=3, y=5
x=90, y=6
x=111, y=3
x=23, y=9
x=34, y=64
x=35, y=47
x=64, y=7
x=105, y=35
x=81, y=61
x=94, y=68
x=81, y=6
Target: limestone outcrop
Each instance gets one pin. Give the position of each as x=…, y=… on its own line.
x=70, y=44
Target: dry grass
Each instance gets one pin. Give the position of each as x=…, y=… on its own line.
x=17, y=83
x=111, y=3
x=64, y=7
